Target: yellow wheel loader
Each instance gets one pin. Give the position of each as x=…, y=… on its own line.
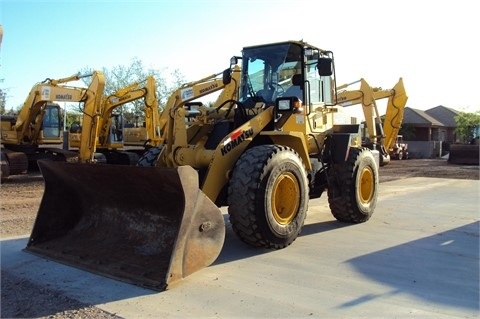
x=39, y=122
x=266, y=147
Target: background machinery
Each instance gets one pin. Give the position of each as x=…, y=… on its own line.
x=39, y=123
x=17, y=155
x=399, y=150
x=380, y=135
x=265, y=148
x=466, y=154
x=99, y=139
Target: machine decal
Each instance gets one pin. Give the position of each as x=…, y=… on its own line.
x=63, y=97
x=235, y=139
x=187, y=94
x=45, y=93
x=208, y=88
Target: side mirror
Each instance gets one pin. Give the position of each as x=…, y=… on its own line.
x=324, y=66
x=234, y=60
x=227, y=76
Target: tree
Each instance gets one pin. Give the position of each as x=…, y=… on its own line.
x=122, y=76
x=407, y=130
x=3, y=103
x=3, y=98
x=72, y=117
x=467, y=126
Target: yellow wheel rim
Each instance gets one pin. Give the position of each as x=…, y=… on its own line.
x=367, y=185
x=285, y=198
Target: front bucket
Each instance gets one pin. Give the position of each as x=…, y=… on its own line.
x=147, y=226
x=464, y=154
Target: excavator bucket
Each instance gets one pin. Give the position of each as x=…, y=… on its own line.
x=147, y=226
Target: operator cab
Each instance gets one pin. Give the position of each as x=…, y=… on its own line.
x=52, y=122
x=285, y=70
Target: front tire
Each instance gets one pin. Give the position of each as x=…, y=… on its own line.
x=268, y=196
x=352, y=195
x=400, y=155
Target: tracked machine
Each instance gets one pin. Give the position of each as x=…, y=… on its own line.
x=267, y=146
x=94, y=139
x=31, y=134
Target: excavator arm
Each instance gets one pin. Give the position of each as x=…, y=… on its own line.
x=397, y=99
x=97, y=122
x=130, y=94
x=367, y=97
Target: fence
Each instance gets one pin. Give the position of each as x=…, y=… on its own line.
x=427, y=149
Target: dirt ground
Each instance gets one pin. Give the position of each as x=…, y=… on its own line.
x=20, y=198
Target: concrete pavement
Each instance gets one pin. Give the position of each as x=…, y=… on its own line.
x=417, y=257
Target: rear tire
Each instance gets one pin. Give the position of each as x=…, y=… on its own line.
x=353, y=193
x=268, y=196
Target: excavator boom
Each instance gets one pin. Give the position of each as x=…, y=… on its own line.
x=382, y=135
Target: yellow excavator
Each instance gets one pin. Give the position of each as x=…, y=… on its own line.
x=266, y=147
x=95, y=139
x=98, y=146
x=381, y=136
x=39, y=123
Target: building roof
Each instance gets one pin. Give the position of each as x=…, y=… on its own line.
x=419, y=117
x=444, y=115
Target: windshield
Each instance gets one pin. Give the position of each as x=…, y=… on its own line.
x=268, y=72
x=51, y=122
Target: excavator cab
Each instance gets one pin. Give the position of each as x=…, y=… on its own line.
x=51, y=125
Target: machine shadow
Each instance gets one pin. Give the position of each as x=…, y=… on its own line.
x=441, y=269
x=234, y=249
x=26, y=276
x=37, y=274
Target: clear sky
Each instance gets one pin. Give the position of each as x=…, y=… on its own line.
x=432, y=45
